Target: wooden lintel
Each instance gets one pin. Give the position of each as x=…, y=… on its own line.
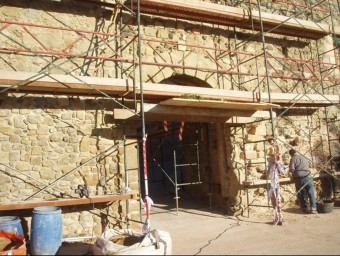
x=123, y=114
x=66, y=202
x=154, y=112
x=183, y=111
x=218, y=104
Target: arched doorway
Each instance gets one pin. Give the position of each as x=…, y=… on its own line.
x=178, y=166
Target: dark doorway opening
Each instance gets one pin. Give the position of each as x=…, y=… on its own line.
x=177, y=168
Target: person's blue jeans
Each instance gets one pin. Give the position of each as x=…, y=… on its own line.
x=308, y=187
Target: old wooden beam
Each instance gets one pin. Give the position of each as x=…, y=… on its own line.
x=218, y=104
x=66, y=202
x=26, y=82
x=159, y=112
x=232, y=16
x=201, y=11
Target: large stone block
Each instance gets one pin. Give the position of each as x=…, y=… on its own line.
x=254, y=138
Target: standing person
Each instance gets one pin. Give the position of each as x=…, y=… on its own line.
x=299, y=168
x=274, y=192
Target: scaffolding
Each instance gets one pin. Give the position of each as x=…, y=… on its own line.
x=324, y=75
x=101, y=43
x=319, y=75
x=177, y=169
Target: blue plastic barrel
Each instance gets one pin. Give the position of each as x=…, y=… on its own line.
x=46, y=230
x=11, y=224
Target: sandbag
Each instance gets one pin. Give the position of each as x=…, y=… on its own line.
x=128, y=242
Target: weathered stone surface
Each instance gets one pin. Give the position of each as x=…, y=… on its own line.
x=34, y=119
x=20, y=122
x=36, y=160
x=54, y=135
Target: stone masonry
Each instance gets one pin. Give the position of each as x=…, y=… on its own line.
x=76, y=141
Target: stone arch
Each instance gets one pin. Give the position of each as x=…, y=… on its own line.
x=212, y=150
x=186, y=80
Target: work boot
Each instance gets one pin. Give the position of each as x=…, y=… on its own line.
x=313, y=211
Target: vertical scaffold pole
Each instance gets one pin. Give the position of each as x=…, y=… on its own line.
x=176, y=183
x=148, y=202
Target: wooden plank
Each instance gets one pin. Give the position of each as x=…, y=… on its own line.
x=24, y=81
x=56, y=83
x=219, y=14
x=154, y=112
x=301, y=99
x=178, y=91
x=263, y=182
x=257, y=183
x=272, y=20
x=65, y=84
x=180, y=102
x=66, y=202
x=185, y=118
x=232, y=16
x=164, y=109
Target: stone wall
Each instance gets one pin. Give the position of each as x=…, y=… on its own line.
x=46, y=137
x=251, y=148
x=169, y=48
x=66, y=142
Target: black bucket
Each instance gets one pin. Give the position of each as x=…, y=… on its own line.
x=326, y=206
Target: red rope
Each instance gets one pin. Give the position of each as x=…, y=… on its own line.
x=145, y=167
x=165, y=124
x=148, y=202
x=181, y=128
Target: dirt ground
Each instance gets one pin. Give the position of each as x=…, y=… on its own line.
x=205, y=232
x=199, y=230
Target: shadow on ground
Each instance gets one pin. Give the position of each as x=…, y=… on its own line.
x=75, y=248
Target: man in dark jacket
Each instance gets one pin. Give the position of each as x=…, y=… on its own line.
x=301, y=173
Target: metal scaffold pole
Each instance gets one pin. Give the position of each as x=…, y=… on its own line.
x=147, y=201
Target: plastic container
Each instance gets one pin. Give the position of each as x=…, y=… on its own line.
x=46, y=230
x=326, y=206
x=11, y=224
